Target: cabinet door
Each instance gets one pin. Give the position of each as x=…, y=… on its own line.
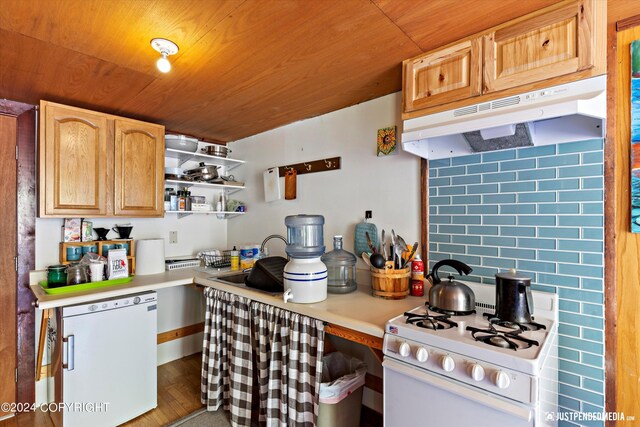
x=549, y=45
x=73, y=161
x=138, y=169
x=443, y=76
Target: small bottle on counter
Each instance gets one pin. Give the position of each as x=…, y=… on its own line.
x=417, y=277
x=235, y=259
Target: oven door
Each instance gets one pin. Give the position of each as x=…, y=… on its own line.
x=416, y=397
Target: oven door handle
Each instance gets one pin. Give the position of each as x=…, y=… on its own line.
x=463, y=391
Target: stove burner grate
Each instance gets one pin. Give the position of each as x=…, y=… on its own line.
x=515, y=326
x=496, y=338
x=429, y=321
x=448, y=312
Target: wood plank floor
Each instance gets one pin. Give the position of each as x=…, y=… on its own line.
x=178, y=396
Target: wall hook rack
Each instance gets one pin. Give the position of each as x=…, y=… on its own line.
x=321, y=165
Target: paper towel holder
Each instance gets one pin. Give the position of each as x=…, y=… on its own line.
x=149, y=256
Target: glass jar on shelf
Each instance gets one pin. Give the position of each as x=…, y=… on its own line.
x=77, y=274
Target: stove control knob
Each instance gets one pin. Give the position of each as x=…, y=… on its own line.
x=422, y=354
x=404, y=349
x=502, y=379
x=477, y=372
x=448, y=364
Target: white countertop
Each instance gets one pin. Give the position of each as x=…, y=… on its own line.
x=359, y=310
x=138, y=284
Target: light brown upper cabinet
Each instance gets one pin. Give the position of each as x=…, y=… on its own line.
x=138, y=169
x=546, y=46
x=94, y=164
x=443, y=75
x=559, y=44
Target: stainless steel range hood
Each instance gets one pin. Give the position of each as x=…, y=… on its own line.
x=571, y=112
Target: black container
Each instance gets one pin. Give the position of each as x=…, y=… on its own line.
x=266, y=274
x=514, y=302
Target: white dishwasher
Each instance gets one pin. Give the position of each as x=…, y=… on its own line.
x=105, y=361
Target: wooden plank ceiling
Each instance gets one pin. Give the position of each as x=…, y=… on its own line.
x=244, y=66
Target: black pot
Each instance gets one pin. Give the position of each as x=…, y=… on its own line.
x=514, y=302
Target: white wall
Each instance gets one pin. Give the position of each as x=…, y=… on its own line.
x=177, y=307
x=389, y=186
x=195, y=232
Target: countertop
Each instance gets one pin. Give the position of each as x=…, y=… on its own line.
x=358, y=310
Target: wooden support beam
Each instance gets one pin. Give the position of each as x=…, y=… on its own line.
x=377, y=353
x=175, y=334
x=351, y=335
x=44, y=329
x=373, y=382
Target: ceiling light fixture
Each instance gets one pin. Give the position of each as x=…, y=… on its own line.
x=166, y=48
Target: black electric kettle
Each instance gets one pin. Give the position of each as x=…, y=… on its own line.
x=514, y=302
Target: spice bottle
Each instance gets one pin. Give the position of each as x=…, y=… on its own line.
x=182, y=201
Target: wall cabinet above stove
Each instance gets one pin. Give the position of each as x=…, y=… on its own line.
x=562, y=43
x=444, y=75
x=96, y=165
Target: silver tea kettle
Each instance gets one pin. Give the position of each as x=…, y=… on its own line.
x=450, y=296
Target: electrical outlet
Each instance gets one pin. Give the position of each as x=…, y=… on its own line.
x=173, y=237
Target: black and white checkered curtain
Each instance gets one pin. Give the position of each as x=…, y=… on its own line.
x=227, y=368
x=247, y=343
x=289, y=350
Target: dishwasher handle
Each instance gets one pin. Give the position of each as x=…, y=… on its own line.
x=68, y=361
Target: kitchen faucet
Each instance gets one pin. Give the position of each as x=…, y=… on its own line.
x=273, y=236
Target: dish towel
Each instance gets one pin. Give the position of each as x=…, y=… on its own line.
x=227, y=368
x=289, y=365
x=259, y=357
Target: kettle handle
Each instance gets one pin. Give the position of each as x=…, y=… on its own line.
x=529, y=299
x=460, y=267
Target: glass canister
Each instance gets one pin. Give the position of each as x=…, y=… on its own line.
x=77, y=274
x=56, y=276
x=341, y=269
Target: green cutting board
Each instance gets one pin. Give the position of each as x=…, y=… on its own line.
x=83, y=286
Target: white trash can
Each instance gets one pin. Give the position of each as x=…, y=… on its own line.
x=341, y=391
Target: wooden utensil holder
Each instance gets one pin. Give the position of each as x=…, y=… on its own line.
x=131, y=259
x=390, y=283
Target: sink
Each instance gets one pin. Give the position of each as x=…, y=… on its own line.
x=232, y=279
x=238, y=280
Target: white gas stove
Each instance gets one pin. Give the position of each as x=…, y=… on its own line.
x=450, y=370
